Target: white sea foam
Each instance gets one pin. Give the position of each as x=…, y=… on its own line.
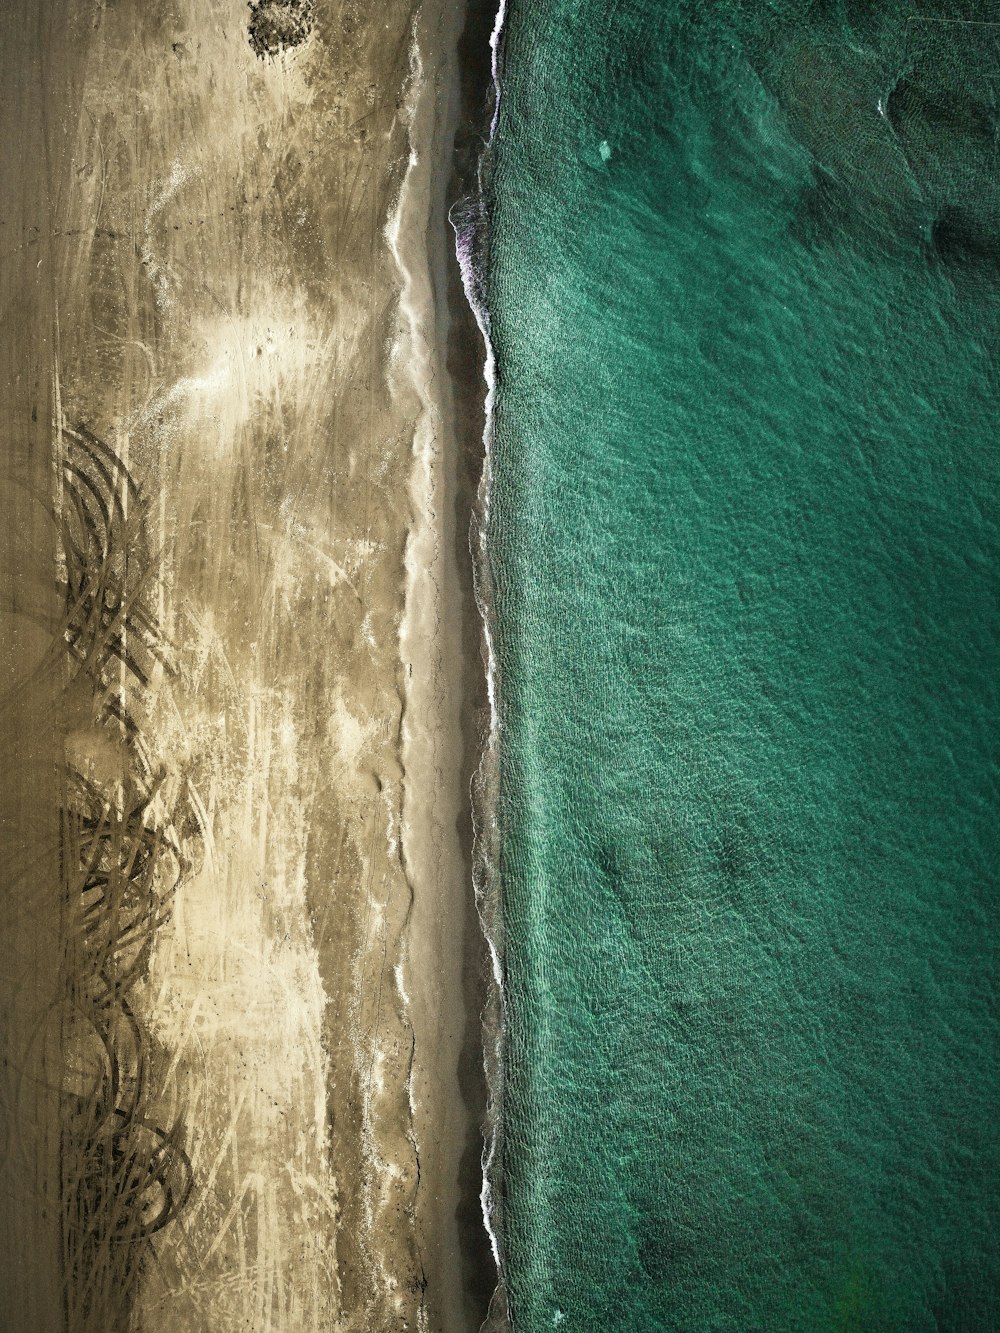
x=467, y=232
x=496, y=39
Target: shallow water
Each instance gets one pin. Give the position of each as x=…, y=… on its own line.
x=744, y=287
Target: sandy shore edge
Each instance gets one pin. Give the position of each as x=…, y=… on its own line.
x=444, y=681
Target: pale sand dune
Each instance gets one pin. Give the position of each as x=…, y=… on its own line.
x=243, y=310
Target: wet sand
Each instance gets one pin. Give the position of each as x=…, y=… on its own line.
x=33, y=167
x=243, y=302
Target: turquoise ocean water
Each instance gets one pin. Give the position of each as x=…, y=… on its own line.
x=744, y=289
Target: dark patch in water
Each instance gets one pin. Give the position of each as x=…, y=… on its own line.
x=277, y=25
x=957, y=239
x=732, y=861
x=665, y=1248
x=968, y=1300
x=912, y=108
x=829, y=209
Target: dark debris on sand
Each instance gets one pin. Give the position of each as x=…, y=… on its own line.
x=277, y=25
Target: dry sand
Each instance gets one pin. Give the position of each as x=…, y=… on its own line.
x=233, y=272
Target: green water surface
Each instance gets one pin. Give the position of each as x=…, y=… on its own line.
x=744, y=291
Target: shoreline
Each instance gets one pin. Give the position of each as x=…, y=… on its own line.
x=444, y=1003
x=468, y=219
x=454, y=470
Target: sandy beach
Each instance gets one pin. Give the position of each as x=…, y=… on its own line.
x=228, y=270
